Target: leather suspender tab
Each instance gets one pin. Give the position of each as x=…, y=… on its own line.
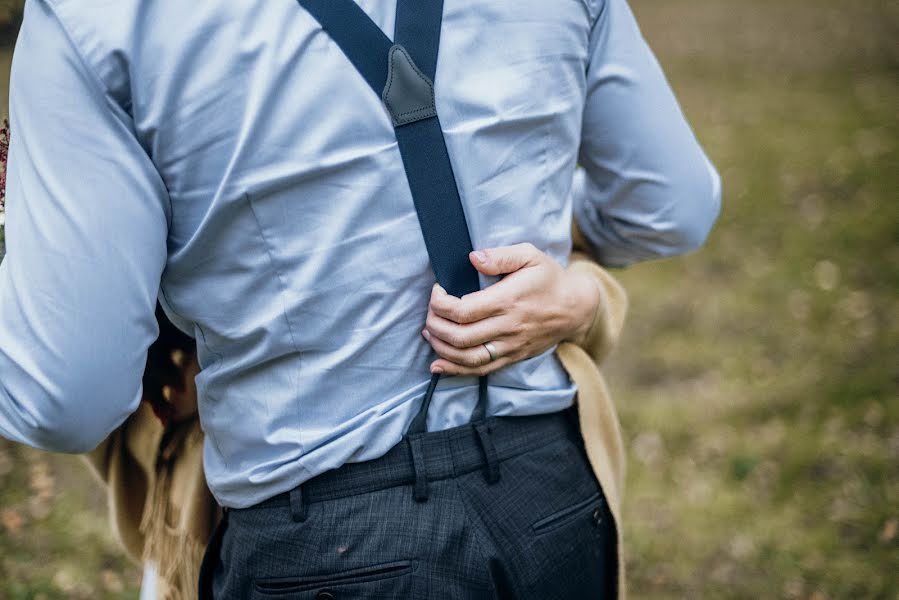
x=408, y=95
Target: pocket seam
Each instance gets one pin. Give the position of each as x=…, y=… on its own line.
x=561, y=517
x=368, y=574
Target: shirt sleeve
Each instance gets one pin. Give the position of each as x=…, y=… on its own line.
x=645, y=188
x=86, y=226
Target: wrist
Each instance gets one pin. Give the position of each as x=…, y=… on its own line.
x=585, y=298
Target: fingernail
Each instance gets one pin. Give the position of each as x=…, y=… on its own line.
x=481, y=256
x=437, y=369
x=426, y=334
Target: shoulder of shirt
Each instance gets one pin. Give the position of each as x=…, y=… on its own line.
x=98, y=31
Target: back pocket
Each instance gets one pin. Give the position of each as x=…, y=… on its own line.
x=385, y=580
x=585, y=510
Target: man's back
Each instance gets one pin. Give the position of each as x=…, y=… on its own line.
x=292, y=249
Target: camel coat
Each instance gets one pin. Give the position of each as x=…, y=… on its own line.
x=163, y=512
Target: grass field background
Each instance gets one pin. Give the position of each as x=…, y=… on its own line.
x=757, y=381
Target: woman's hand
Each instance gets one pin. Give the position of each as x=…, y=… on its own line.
x=535, y=306
x=183, y=397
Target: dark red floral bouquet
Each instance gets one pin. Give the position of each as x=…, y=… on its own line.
x=4, y=154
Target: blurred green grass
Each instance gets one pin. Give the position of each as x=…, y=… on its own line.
x=757, y=381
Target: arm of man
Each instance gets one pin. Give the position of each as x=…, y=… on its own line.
x=646, y=188
x=86, y=227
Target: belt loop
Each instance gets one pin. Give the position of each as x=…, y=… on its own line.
x=491, y=459
x=297, y=504
x=420, y=490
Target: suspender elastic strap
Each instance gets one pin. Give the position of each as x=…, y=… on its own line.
x=402, y=74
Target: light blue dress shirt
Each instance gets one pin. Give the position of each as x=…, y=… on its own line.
x=224, y=156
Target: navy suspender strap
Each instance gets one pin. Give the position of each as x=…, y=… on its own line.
x=401, y=83
x=402, y=74
x=360, y=39
x=417, y=28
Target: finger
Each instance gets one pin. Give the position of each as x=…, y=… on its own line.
x=504, y=259
x=450, y=368
x=470, y=307
x=470, y=335
x=467, y=357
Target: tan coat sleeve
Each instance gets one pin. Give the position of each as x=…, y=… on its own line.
x=124, y=462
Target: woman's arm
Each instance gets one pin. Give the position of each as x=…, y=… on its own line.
x=611, y=310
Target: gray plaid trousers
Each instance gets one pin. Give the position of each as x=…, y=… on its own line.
x=511, y=512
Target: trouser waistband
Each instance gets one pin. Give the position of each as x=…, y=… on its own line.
x=431, y=456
